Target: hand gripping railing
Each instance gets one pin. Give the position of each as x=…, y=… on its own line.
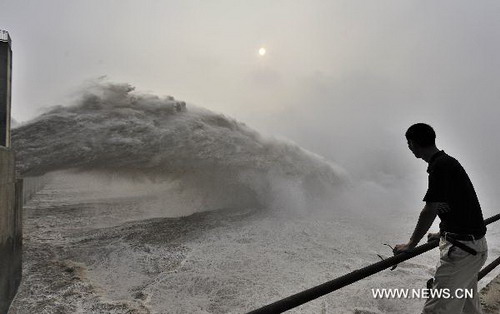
x=330, y=286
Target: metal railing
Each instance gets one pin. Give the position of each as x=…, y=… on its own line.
x=330, y=286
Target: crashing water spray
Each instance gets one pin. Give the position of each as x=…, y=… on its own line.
x=114, y=130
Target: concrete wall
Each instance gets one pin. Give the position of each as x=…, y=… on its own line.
x=31, y=185
x=10, y=229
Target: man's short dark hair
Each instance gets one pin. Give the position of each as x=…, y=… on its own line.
x=422, y=134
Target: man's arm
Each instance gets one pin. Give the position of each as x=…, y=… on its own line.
x=425, y=220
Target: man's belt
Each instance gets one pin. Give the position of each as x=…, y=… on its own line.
x=462, y=237
x=450, y=237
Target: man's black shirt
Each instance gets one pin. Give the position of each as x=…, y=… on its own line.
x=450, y=184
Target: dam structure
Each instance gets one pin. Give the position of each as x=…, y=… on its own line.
x=10, y=188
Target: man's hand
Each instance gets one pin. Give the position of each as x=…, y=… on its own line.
x=433, y=236
x=425, y=220
x=400, y=248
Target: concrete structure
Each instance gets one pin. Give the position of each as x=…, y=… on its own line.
x=5, y=87
x=10, y=229
x=490, y=297
x=31, y=185
x=10, y=189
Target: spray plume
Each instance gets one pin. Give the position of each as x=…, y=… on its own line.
x=113, y=129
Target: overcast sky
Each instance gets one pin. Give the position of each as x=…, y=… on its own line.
x=341, y=78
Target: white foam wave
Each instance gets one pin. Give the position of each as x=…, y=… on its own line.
x=114, y=130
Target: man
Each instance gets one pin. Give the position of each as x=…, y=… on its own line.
x=462, y=245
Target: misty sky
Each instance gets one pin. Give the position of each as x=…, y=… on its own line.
x=343, y=79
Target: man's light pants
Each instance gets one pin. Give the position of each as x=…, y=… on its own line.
x=457, y=269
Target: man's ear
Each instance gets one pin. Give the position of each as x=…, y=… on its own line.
x=411, y=144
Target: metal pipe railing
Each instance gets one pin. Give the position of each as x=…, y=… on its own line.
x=488, y=268
x=330, y=286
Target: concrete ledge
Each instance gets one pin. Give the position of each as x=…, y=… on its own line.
x=10, y=230
x=490, y=297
